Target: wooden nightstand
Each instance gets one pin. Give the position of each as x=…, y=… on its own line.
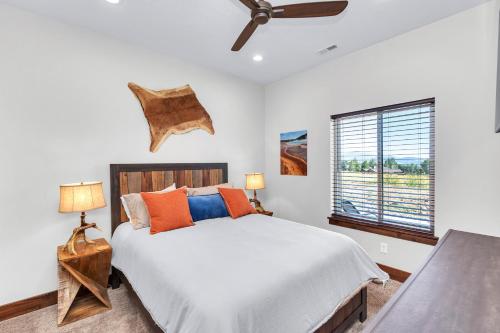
x=90, y=269
x=266, y=212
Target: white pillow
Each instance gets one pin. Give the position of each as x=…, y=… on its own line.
x=207, y=190
x=136, y=209
x=125, y=207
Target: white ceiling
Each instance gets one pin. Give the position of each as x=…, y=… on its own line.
x=203, y=31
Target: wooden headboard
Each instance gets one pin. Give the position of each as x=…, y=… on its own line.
x=135, y=178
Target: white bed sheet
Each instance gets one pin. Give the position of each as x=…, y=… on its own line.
x=253, y=274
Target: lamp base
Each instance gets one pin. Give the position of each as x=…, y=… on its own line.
x=78, y=236
x=256, y=202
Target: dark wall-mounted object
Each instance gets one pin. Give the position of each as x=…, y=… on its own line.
x=171, y=111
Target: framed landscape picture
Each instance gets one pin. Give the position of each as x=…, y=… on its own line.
x=293, y=154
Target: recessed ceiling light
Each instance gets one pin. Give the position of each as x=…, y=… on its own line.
x=258, y=58
x=114, y=2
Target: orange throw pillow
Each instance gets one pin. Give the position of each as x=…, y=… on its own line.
x=168, y=211
x=236, y=202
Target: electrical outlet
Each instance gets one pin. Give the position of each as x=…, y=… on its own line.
x=384, y=248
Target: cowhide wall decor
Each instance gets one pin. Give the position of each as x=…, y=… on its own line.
x=171, y=111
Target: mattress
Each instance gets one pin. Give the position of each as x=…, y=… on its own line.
x=253, y=274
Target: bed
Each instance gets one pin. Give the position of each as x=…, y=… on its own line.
x=253, y=274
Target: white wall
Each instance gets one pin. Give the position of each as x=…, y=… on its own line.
x=498, y=86
x=66, y=114
x=453, y=60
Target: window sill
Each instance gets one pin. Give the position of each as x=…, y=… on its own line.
x=390, y=231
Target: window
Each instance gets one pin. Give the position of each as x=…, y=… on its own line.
x=383, y=170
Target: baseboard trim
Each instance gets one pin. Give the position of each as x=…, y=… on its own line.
x=24, y=306
x=28, y=305
x=394, y=273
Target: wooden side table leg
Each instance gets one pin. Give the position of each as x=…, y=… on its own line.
x=66, y=293
x=95, y=288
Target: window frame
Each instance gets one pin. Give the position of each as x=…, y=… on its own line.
x=380, y=227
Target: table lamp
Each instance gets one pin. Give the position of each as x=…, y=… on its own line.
x=80, y=198
x=255, y=181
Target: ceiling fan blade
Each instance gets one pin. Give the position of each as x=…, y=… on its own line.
x=312, y=9
x=245, y=36
x=252, y=4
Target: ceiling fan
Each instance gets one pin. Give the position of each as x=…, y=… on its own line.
x=263, y=11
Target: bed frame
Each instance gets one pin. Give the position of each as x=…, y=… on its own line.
x=135, y=178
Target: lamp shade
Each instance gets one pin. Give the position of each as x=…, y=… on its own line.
x=255, y=181
x=81, y=197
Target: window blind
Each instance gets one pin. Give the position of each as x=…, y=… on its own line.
x=383, y=165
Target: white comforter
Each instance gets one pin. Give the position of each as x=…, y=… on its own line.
x=253, y=274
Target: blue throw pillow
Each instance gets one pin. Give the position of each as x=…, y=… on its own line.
x=205, y=207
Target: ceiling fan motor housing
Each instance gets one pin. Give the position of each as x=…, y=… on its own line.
x=263, y=14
